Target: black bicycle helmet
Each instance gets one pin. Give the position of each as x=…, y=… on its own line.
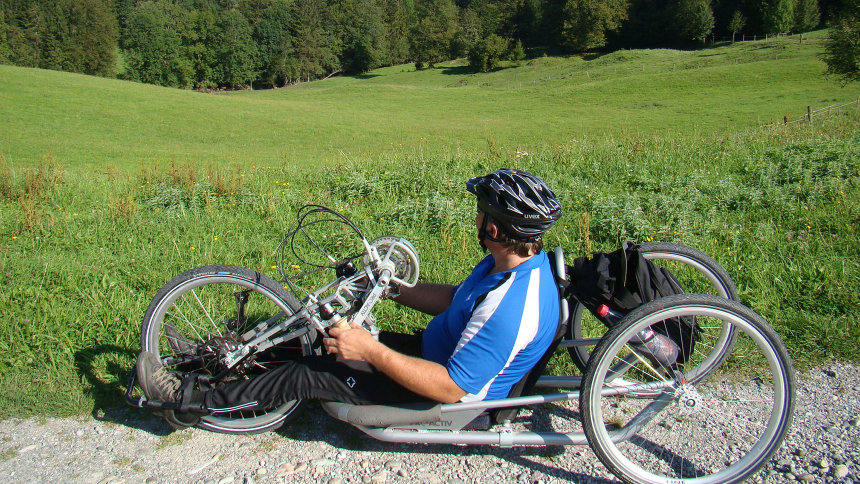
x=520, y=202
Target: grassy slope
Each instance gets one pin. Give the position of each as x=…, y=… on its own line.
x=82, y=252
x=545, y=100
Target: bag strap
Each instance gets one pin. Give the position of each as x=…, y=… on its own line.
x=628, y=286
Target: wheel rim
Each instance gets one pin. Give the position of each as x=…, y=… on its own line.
x=200, y=311
x=665, y=448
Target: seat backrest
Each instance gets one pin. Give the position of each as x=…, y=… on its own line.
x=527, y=383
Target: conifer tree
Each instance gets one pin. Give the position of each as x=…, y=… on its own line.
x=842, y=51
x=777, y=16
x=806, y=15
x=314, y=47
x=397, y=32
x=275, y=45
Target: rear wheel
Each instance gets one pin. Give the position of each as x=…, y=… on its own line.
x=650, y=424
x=696, y=271
x=203, y=312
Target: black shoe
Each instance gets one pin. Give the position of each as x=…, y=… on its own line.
x=157, y=383
x=164, y=386
x=178, y=343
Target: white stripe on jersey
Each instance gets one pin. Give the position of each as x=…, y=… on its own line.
x=527, y=331
x=483, y=312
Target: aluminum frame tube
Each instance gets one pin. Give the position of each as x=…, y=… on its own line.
x=474, y=437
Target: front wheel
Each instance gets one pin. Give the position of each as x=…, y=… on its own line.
x=201, y=313
x=650, y=424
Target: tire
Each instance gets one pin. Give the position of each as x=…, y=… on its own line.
x=200, y=306
x=693, y=422
x=696, y=271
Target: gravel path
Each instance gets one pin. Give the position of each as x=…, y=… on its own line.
x=127, y=445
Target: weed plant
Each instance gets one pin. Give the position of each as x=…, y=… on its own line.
x=82, y=254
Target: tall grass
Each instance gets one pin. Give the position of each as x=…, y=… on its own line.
x=81, y=254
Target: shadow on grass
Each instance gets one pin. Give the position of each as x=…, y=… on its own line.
x=457, y=71
x=106, y=369
x=590, y=56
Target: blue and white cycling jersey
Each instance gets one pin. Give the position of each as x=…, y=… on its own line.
x=497, y=327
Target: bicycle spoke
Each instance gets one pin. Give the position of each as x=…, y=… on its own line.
x=734, y=414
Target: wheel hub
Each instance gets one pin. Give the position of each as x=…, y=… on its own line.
x=689, y=399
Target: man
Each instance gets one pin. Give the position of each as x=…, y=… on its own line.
x=487, y=333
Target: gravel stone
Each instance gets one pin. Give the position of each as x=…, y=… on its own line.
x=135, y=447
x=840, y=471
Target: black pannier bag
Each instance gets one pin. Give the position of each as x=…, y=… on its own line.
x=624, y=280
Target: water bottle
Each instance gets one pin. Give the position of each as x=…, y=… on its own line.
x=613, y=317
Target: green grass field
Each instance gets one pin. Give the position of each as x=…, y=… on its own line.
x=108, y=189
x=93, y=122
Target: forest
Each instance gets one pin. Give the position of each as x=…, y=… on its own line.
x=211, y=44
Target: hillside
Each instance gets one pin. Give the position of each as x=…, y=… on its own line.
x=639, y=145
x=93, y=122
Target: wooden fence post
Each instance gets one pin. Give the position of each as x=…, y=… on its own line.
x=809, y=113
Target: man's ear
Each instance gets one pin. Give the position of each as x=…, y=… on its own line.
x=493, y=230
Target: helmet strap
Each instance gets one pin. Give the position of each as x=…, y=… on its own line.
x=483, y=235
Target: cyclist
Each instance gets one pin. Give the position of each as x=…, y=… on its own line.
x=487, y=333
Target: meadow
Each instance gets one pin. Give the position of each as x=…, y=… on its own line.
x=108, y=189
x=95, y=123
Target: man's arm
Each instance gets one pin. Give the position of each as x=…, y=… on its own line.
x=423, y=377
x=430, y=299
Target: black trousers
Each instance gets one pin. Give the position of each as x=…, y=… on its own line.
x=317, y=378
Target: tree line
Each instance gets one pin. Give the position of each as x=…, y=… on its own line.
x=207, y=44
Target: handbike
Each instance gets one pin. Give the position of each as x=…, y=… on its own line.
x=717, y=417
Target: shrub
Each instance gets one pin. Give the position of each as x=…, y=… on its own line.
x=486, y=53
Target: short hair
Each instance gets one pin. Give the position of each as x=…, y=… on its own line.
x=523, y=249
